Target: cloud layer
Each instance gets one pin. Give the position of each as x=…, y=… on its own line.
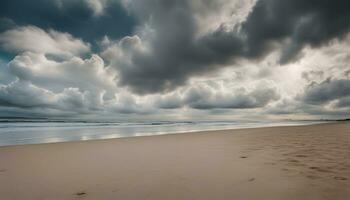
x=169, y=49
x=263, y=58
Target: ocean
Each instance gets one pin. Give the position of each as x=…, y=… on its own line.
x=38, y=132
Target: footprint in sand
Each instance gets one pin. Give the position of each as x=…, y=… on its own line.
x=340, y=178
x=321, y=169
x=313, y=177
x=313, y=167
x=285, y=169
x=80, y=194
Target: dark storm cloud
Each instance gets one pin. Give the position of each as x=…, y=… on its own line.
x=169, y=102
x=73, y=16
x=344, y=102
x=206, y=98
x=327, y=91
x=312, y=22
x=175, y=53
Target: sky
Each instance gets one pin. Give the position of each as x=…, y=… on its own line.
x=175, y=60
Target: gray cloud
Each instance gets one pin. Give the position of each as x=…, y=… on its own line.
x=312, y=75
x=206, y=98
x=303, y=23
x=5, y=76
x=327, y=91
x=172, y=51
x=201, y=99
x=22, y=97
x=170, y=102
x=344, y=102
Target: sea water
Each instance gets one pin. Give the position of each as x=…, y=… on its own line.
x=37, y=132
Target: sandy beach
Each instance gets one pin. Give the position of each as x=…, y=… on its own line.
x=285, y=163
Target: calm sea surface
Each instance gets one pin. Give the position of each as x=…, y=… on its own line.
x=16, y=133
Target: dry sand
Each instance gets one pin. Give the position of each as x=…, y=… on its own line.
x=284, y=163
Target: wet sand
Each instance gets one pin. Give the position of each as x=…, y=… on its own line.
x=285, y=163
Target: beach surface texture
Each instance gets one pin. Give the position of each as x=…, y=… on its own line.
x=279, y=163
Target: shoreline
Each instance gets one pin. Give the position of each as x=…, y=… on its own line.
x=294, y=162
x=180, y=132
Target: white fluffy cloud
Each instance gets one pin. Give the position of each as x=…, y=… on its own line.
x=24, y=94
x=34, y=39
x=88, y=74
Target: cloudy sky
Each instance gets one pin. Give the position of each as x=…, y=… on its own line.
x=180, y=59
